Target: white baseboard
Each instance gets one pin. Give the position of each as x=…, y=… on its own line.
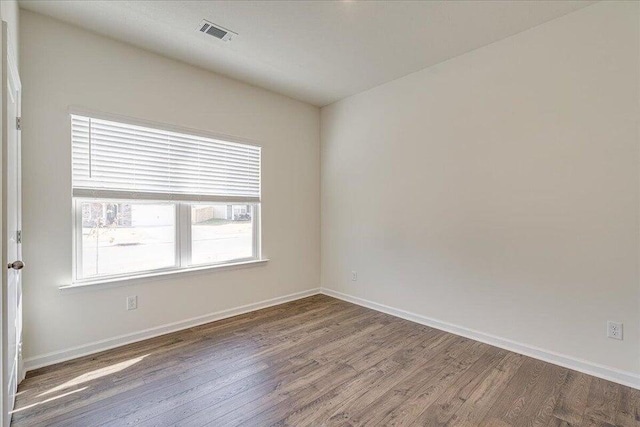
x=626, y=378
x=605, y=372
x=98, y=346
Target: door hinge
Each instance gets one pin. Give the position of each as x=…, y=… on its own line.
x=19, y=236
x=19, y=123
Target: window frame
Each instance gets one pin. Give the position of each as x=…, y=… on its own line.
x=182, y=240
x=182, y=208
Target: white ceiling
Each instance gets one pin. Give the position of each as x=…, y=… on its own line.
x=315, y=51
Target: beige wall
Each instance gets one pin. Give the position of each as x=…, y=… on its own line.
x=63, y=66
x=499, y=191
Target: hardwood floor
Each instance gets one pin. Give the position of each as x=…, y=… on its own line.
x=317, y=361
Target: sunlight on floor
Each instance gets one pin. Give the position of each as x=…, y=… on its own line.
x=48, y=400
x=98, y=373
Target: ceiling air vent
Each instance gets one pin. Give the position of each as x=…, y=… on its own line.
x=216, y=31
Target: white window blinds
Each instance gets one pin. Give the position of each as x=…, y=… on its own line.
x=119, y=160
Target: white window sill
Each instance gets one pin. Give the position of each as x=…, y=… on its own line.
x=159, y=274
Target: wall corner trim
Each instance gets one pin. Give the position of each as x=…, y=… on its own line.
x=615, y=375
x=109, y=343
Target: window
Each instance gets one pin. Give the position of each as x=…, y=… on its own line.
x=151, y=200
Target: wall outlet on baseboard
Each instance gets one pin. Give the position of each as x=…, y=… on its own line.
x=614, y=330
x=354, y=275
x=132, y=302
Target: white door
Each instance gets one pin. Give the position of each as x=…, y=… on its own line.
x=12, y=372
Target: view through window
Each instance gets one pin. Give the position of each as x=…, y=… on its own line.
x=221, y=233
x=126, y=237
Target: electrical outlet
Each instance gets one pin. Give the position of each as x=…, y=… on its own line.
x=132, y=302
x=614, y=330
x=354, y=275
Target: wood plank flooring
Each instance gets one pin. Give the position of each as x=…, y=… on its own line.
x=317, y=361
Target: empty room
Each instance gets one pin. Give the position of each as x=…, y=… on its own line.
x=320, y=213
